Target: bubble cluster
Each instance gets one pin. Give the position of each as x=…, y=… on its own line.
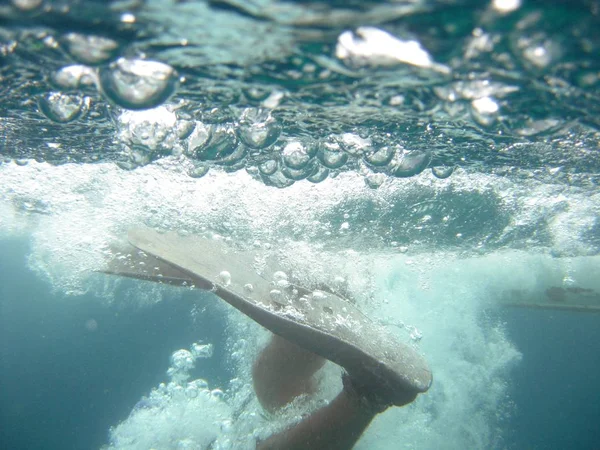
x=178, y=414
x=281, y=161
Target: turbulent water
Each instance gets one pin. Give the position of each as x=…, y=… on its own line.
x=440, y=156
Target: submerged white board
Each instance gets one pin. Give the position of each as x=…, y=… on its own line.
x=319, y=321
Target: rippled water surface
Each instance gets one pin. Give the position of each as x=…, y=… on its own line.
x=441, y=157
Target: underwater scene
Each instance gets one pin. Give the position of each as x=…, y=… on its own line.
x=299, y=224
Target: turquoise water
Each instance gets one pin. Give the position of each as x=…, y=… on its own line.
x=441, y=159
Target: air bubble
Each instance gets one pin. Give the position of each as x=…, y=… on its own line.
x=410, y=163
x=191, y=392
x=380, y=157
x=257, y=128
x=279, y=275
x=484, y=110
x=331, y=156
x=221, y=144
x=198, y=384
x=268, y=167
x=201, y=350
x=197, y=139
x=276, y=295
x=319, y=295
x=63, y=108
x=300, y=174
x=138, y=84
x=319, y=175
x=75, y=76
x=182, y=359
x=235, y=160
x=184, y=128
x=90, y=49
x=27, y=5
x=375, y=180
x=283, y=284
x=198, y=170
x=354, y=145
x=256, y=94
x=442, y=172
x=217, y=394
x=277, y=179
x=296, y=155
x=225, y=278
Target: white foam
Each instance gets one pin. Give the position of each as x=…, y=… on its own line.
x=438, y=296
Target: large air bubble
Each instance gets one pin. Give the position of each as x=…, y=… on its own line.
x=221, y=146
x=137, y=83
x=63, y=108
x=75, y=76
x=90, y=49
x=257, y=128
x=297, y=154
x=381, y=156
x=331, y=155
x=409, y=163
x=27, y=5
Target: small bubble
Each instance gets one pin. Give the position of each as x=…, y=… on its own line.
x=199, y=350
x=375, y=180
x=320, y=175
x=91, y=325
x=282, y=284
x=279, y=275
x=276, y=295
x=225, y=278
x=268, y=167
x=221, y=146
x=381, y=156
x=354, y=145
x=90, y=49
x=331, y=156
x=410, y=163
x=198, y=170
x=191, y=392
x=217, y=394
x=319, y=295
x=442, y=172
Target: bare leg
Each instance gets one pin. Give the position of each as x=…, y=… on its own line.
x=282, y=372
x=336, y=426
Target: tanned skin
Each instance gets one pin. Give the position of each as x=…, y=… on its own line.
x=284, y=371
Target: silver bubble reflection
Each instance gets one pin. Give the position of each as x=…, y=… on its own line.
x=137, y=83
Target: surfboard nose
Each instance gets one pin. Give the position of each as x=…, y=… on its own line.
x=318, y=321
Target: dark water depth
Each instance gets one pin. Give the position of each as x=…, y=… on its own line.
x=61, y=385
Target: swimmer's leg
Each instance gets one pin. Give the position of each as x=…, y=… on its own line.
x=282, y=372
x=337, y=426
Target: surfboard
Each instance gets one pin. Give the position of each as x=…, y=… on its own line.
x=253, y=282
x=570, y=298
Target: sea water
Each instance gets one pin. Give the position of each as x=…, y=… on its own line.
x=441, y=158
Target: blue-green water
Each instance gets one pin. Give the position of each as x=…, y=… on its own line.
x=440, y=158
x=63, y=385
